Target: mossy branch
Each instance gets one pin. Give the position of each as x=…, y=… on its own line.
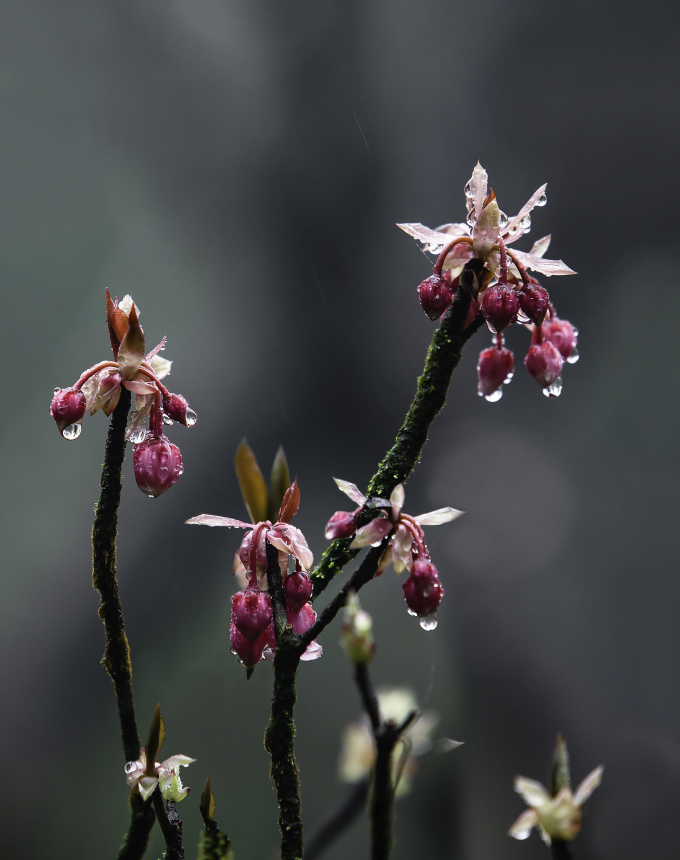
x=442, y=359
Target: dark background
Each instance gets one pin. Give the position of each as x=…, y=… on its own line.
x=239, y=168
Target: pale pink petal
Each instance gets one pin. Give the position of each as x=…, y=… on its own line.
x=546, y=267
x=136, y=386
x=486, y=230
x=289, y=539
x=528, y=206
x=147, y=786
x=458, y=256
x=436, y=518
x=532, y=792
x=435, y=241
x=397, y=500
x=211, y=520
x=156, y=349
x=313, y=651
x=176, y=761
x=160, y=366
x=541, y=246
x=402, y=556
x=478, y=184
x=588, y=786
x=351, y=490
x=385, y=560
x=453, y=230
x=372, y=533
x=522, y=828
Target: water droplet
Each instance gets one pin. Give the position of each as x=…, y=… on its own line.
x=181, y=470
x=192, y=418
x=555, y=389
x=435, y=248
x=151, y=496
x=495, y=396
x=514, y=230
x=130, y=766
x=138, y=435
x=469, y=193
x=503, y=220
x=132, y=417
x=167, y=420
x=525, y=223
x=542, y=200
x=522, y=317
x=429, y=622
x=57, y=390
x=491, y=329
x=508, y=378
x=411, y=612
x=72, y=431
x=575, y=331
x=574, y=357
x=470, y=220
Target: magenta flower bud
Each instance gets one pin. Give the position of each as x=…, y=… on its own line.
x=249, y=653
x=68, y=408
x=301, y=620
x=562, y=335
x=435, y=296
x=298, y=589
x=422, y=590
x=493, y=368
x=177, y=409
x=251, y=612
x=157, y=464
x=544, y=363
x=341, y=525
x=499, y=305
x=534, y=301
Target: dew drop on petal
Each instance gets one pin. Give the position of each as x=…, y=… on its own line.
x=130, y=766
x=503, y=220
x=542, y=200
x=522, y=317
x=508, y=378
x=191, y=418
x=491, y=329
x=429, y=622
x=181, y=470
x=57, y=390
x=555, y=389
x=72, y=431
x=469, y=193
x=470, y=220
x=411, y=612
x=151, y=496
x=495, y=396
x=138, y=435
x=167, y=420
x=435, y=247
x=574, y=357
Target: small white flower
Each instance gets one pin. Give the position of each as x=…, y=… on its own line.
x=165, y=774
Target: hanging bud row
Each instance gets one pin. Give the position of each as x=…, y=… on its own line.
x=157, y=462
x=474, y=256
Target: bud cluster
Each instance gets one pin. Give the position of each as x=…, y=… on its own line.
x=157, y=462
x=406, y=548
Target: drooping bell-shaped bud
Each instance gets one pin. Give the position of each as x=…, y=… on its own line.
x=249, y=653
x=68, y=408
x=561, y=334
x=493, y=369
x=177, y=409
x=157, y=464
x=534, y=301
x=435, y=296
x=357, y=633
x=251, y=612
x=499, y=305
x=301, y=620
x=298, y=590
x=544, y=363
x=422, y=590
x=341, y=525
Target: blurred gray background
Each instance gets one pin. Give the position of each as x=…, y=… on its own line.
x=239, y=168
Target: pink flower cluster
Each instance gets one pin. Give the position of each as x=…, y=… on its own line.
x=251, y=629
x=157, y=462
x=475, y=256
x=406, y=548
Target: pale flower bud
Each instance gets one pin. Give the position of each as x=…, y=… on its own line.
x=357, y=633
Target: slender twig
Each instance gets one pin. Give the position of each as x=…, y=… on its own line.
x=560, y=850
x=116, y=659
x=279, y=739
x=442, y=359
x=170, y=825
x=348, y=809
x=386, y=735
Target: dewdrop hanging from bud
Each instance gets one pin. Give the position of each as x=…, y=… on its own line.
x=68, y=408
